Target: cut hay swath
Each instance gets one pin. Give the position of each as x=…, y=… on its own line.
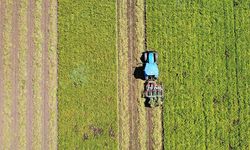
x=22, y=111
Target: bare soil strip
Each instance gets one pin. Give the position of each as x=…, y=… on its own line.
x=45, y=75
x=133, y=104
x=14, y=77
x=2, y=10
x=31, y=48
x=150, y=128
x=149, y=110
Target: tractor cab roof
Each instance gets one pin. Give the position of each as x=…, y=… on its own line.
x=151, y=69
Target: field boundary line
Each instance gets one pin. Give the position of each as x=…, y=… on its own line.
x=162, y=126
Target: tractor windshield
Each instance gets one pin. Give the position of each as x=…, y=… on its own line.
x=151, y=58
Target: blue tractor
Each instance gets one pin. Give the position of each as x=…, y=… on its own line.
x=153, y=91
x=151, y=68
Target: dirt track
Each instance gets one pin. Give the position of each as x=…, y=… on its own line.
x=133, y=104
x=138, y=127
x=149, y=127
x=14, y=77
x=45, y=74
x=31, y=48
x=134, y=94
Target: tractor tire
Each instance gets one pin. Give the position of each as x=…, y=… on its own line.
x=156, y=56
x=145, y=56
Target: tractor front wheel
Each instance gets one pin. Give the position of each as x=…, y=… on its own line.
x=156, y=57
x=145, y=56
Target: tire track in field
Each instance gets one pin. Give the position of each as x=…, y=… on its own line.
x=133, y=104
x=2, y=11
x=30, y=94
x=14, y=76
x=45, y=75
x=148, y=110
x=150, y=127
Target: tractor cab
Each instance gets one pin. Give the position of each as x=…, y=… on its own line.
x=151, y=68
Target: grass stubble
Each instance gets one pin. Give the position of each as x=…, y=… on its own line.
x=6, y=74
x=52, y=86
x=123, y=90
x=22, y=99
x=37, y=59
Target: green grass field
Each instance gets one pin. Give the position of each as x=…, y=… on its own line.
x=87, y=91
x=204, y=63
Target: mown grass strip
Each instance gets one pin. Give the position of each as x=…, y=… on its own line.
x=157, y=128
x=37, y=77
x=122, y=75
x=6, y=72
x=22, y=88
x=52, y=86
x=87, y=90
x=2, y=11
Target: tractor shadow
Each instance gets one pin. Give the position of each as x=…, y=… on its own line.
x=139, y=74
x=139, y=71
